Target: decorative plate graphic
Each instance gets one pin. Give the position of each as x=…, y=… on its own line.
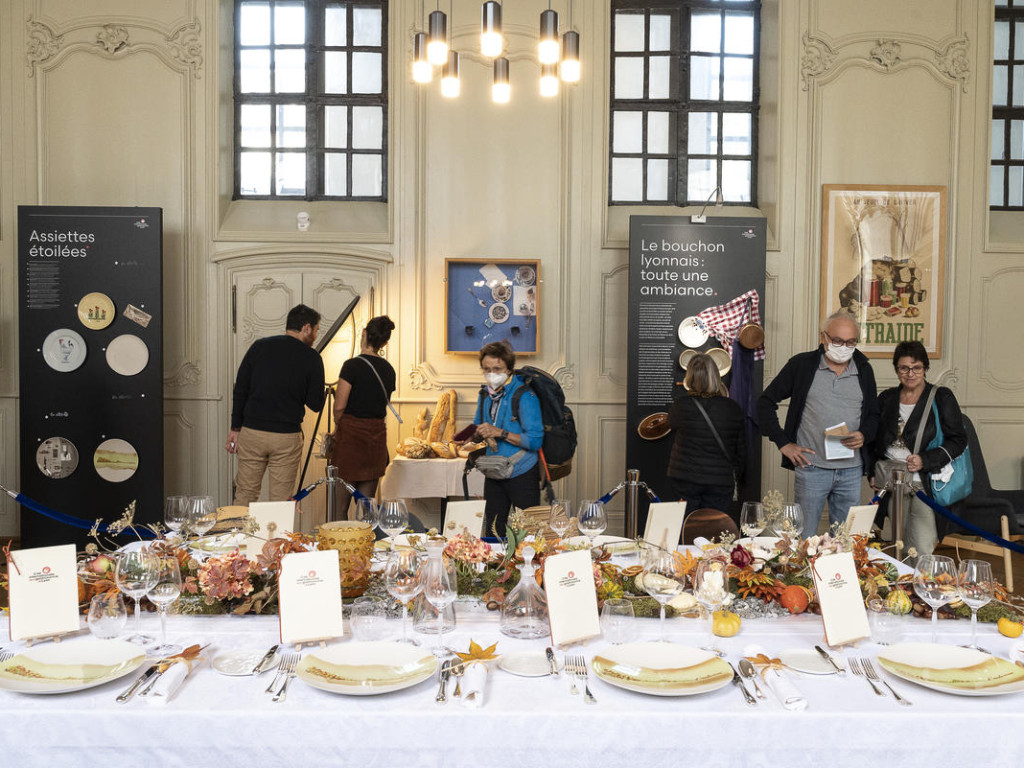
x=64, y=350
x=501, y=293
x=526, y=275
x=498, y=313
x=654, y=427
x=722, y=359
x=127, y=354
x=57, y=457
x=96, y=311
x=693, y=332
x=115, y=460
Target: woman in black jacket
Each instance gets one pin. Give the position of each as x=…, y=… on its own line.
x=701, y=473
x=902, y=411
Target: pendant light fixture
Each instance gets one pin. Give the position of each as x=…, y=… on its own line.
x=422, y=69
x=437, y=44
x=501, y=89
x=547, y=47
x=451, y=85
x=491, y=41
x=548, y=80
x=570, y=65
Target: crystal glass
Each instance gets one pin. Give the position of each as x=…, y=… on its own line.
x=524, y=613
x=440, y=587
x=202, y=514
x=663, y=580
x=592, y=520
x=136, y=573
x=618, y=622
x=560, y=520
x=164, y=592
x=753, y=519
x=790, y=521
x=393, y=517
x=935, y=582
x=366, y=511
x=107, y=615
x=711, y=588
x=976, y=588
x=402, y=577
x=175, y=512
x=369, y=619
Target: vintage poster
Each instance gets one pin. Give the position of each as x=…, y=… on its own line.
x=883, y=253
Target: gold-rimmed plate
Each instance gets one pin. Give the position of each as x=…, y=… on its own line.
x=661, y=669
x=71, y=666
x=952, y=669
x=367, y=669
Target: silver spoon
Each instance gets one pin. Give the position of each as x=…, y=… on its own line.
x=747, y=670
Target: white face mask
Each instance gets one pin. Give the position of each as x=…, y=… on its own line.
x=496, y=380
x=839, y=353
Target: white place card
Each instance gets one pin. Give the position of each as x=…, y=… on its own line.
x=309, y=590
x=842, y=607
x=861, y=518
x=665, y=523
x=43, y=589
x=572, y=598
x=462, y=516
x=273, y=519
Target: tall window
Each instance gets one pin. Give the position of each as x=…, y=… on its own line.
x=311, y=85
x=1006, y=173
x=684, y=101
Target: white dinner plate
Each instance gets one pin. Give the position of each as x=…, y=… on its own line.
x=693, y=332
x=406, y=540
x=527, y=663
x=723, y=360
x=614, y=544
x=64, y=350
x=127, y=354
x=808, y=661
x=367, y=669
x=221, y=544
x=115, y=460
x=927, y=663
x=241, y=662
x=70, y=666
x=661, y=669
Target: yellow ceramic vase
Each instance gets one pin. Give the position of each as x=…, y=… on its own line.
x=353, y=541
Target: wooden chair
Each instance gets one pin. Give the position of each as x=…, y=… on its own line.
x=709, y=523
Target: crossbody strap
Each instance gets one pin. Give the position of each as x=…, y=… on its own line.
x=924, y=418
x=721, y=444
x=384, y=389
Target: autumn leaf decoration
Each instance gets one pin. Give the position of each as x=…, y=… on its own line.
x=478, y=654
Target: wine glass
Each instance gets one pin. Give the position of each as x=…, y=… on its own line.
x=393, y=518
x=402, y=577
x=592, y=520
x=975, y=587
x=202, y=514
x=558, y=520
x=935, y=582
x=663, y=580
x=752, y=519
x=711, y=588
x=107, y=615
x=175, y=512
x=136, y=574
x=790, y=521
x=165, y=591
x=440, y=587
x=366, y=511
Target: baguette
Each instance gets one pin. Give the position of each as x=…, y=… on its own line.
x=444, y=413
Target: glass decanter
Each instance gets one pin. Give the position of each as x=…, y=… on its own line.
x=524, y=613
x=426, y=617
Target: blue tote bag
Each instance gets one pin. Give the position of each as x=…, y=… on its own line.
x=958, y=487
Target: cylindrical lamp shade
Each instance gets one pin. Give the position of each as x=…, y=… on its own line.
x=501, y=90
x=548, y=80
x=491, y=41
x=570, y=67
x=450, y=84
x=437, y=45
x=422, y=69
x=547, y=48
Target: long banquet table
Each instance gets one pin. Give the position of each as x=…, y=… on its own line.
x=216, y=720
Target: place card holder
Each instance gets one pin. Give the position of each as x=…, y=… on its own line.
x=464, y=515
x=665, y=523
x=843, y=615
x=860, y=519
x=309, y=598
x=273, y=520
x=572, y=597
x=43, y=593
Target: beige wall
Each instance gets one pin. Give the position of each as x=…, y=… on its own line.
x=128, y=102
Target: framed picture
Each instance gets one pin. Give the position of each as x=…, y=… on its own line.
x=883, y=256
x=491, y=300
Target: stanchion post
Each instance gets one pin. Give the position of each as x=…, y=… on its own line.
x=898, y=500
x=332, y=481
x=632, y=501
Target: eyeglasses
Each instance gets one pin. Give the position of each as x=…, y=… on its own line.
x=910, y=370
x=494, y=369
x=841, y=342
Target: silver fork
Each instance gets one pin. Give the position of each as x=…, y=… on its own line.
x=855, y=668
x=570, y=668
x=581, y=671
x=6, y=656
x=290, y=663
x=869, y=670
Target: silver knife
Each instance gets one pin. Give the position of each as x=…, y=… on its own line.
x=738, y=682
x=829, y=659
x=551, y=660
x=139, y=681
x=267, y=657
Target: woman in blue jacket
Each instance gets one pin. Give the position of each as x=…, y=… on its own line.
x=515, y=432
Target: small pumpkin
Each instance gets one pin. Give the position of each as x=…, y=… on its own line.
x=795, y=598
x=898, y=602
x=725, y=623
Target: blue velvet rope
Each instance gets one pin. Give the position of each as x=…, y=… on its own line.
x=75, y=522
x=970, y=527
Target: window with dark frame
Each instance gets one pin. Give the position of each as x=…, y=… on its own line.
x=311, y=92
x=684, y=101
x=1006, y=171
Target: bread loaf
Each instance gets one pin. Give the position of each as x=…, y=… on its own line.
x=442, y=450
x=443, y=414
x=422, y=424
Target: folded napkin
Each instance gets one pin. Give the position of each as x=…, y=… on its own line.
x=170, y=681
x=473, y=681
x=776, y=678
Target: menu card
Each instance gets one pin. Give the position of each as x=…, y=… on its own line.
x=861, y=518
x=43, y=590
x=273, y=518
x=572, y=598
x=665, y=523
x=834, y=448
x=842, y=607
x=309, y=591
x=464, y=515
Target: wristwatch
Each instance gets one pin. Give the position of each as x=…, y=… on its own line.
x=504, y=434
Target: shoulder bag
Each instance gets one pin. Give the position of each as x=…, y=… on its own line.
x=954, y=481
x=884, y=467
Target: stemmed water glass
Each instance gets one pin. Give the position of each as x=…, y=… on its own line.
x=663, y=579
x=592, y=520
x=711, y=588
x=202, y=514
x=975, y=587
x=753, y=519
x=558, y=520
x=790, y=521
x=935, y=582
x=393, y=518
x=440, y=587
x=403, y=579
x=164, y=592
x=176, y=509
x=135, y=574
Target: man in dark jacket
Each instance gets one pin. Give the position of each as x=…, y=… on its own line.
x=831, y=385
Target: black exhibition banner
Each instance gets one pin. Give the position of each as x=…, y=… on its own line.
x=90, y=332
x=678, y=270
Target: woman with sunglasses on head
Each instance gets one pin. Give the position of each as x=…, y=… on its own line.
x=902, y=410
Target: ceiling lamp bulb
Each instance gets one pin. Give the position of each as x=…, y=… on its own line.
x=547, y=48
x=570, y=66
x=548, y=80
x=491, y=41
x=422, y=70
x=501, y=90
x=451, y=86
x=437, y=44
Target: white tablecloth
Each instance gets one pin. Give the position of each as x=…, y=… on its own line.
x=428, y=478
x=224, y=721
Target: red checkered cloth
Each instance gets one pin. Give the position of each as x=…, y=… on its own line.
x=725, y=320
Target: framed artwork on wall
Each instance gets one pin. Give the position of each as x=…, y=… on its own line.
x=883, y=257
x=491, y=300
